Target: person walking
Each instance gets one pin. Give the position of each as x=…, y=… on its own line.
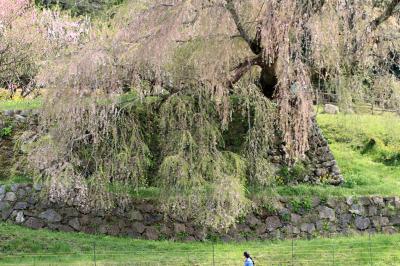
x=248, y=260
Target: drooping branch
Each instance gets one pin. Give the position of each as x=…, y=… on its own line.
x=253, y=43
x=391, y=9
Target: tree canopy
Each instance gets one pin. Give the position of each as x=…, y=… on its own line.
x=149, y=97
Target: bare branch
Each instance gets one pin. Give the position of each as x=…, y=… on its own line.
x=390, y=10
x=253, y=43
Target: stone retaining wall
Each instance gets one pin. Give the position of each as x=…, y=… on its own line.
x=20, y=123
x=24, y=119
x=22, y=204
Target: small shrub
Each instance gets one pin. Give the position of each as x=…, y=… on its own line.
x=250, y=234
x=163, y=237
x=350, y=182
x=299, y=170
x=279, y=180
x=285, y=174
x=213, y=237
x=286, y=217
x=296, y=172
x=301, y=205
x=325, y=179
x=296, y=205
x=182, y=236
x=270, y=208
x=6, y=132
x=241, y=219
x=323, y=199
x=325, y=227
x=307, y=204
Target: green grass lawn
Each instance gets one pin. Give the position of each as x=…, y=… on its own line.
x=24, y=104
x=22, y=246
x=16, y=179
x=363, y=177
x=368, y=169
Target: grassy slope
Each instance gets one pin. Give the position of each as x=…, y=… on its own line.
x=367, y=171
x=77, y=249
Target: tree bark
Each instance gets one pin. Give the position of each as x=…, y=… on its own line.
x=390, y=10
x=241, y=69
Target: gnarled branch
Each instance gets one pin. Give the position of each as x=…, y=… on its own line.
x=242, y=68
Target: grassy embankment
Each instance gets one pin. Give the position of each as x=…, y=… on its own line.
x=22, y=246
x=367, y=148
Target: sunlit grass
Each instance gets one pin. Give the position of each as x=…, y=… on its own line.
x=22, y=246
x=363, y=177
x=356, y=128
x=24, y=104
x=366, y=172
